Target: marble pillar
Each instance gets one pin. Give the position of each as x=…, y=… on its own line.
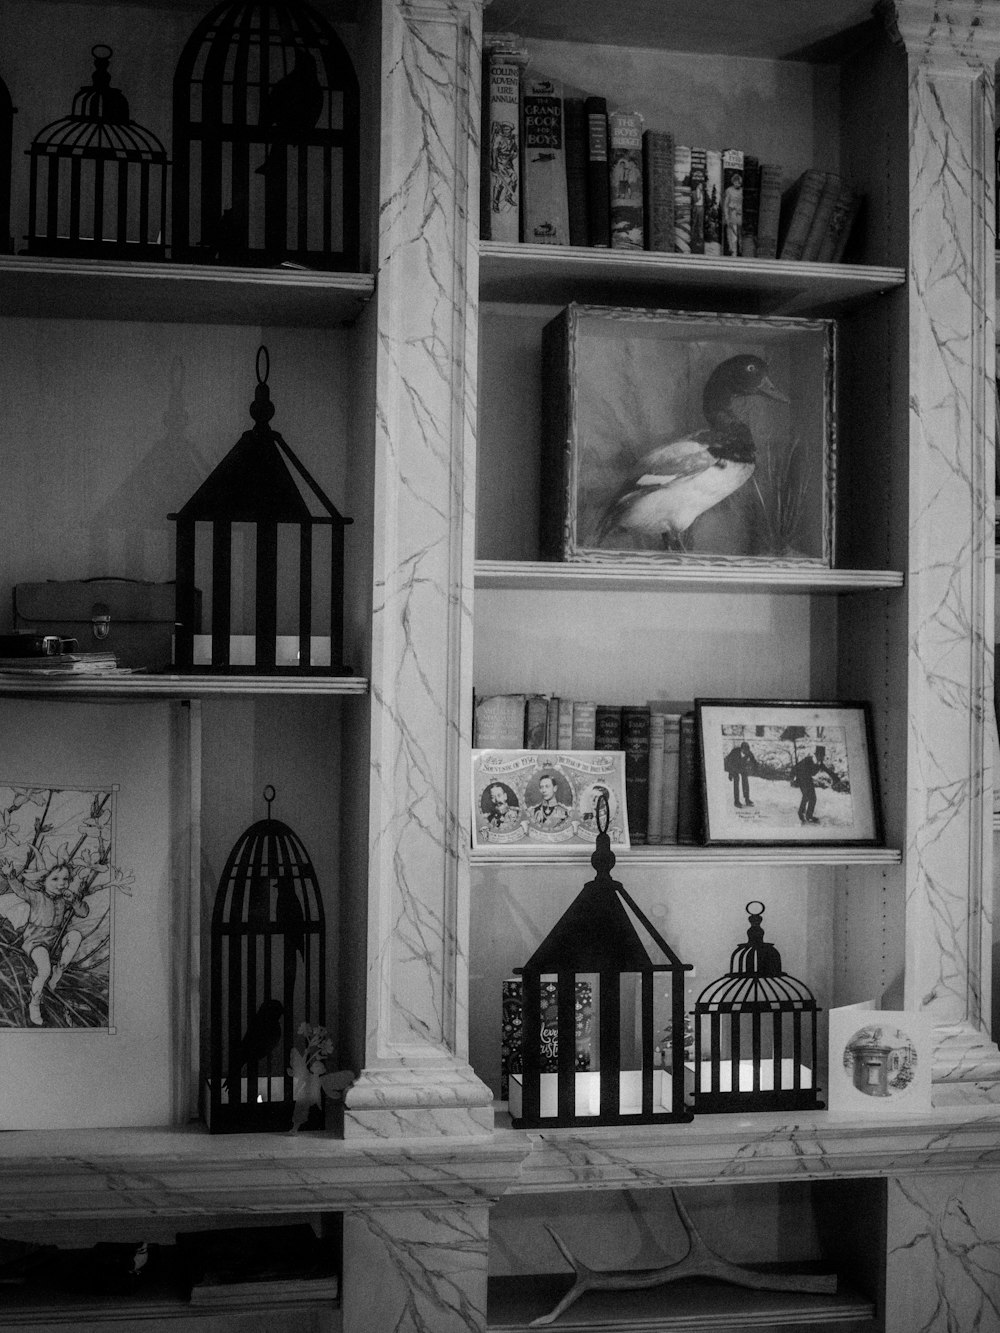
x=951, y=51
x=415, y=1269
x=416, y=1079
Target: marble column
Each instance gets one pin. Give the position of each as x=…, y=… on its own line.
x=951, y=48
x=415, y=1269
x=416, y=1077
x=942, y=1253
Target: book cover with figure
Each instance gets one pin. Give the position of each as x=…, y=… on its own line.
x=503, y=60
x=625, y=174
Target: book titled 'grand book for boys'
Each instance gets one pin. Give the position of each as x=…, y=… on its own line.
x=545, y=212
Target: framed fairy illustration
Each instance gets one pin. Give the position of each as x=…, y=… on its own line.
x=96, y=935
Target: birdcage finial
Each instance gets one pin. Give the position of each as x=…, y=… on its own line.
x=602, y=858
x=262, y=409
x=269, y=795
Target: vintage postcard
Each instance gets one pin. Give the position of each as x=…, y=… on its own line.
x=542, y=800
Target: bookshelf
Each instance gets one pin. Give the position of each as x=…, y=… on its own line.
x=420, y=374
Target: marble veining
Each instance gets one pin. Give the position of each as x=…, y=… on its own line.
x=425, y=488
x=951, y=49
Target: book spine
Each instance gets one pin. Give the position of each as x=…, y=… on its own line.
x=608, y=727
x=584, y=724
x=732, y=201
x=552, y=723
x=770, y=210
x=635, y=743
x=625, y=174
x=713, y=202
x=797, y=209
x=682, y=199
x=598, y=180
x=658, y=189
x=699, y=172
x=501, y=176
x=751, y=205
x=841, y=225
x=498, y=722
x=671, y=773
x=689, y=800
x=544, y=210
x=654, y=823
x=575, y=120
x=536, y=714
x=821, y=218
x=565, y=736
x=553, y=516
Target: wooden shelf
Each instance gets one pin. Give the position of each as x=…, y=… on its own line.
x=540, y=574
x=165, y=686
x=638, y=858
x=38, y=287
x=558, y=274
x=513, y=1302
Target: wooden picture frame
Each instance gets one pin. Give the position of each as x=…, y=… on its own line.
x=677, y=437
x=780, y=773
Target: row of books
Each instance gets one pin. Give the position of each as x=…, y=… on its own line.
x=562, y=170
x=658, y=739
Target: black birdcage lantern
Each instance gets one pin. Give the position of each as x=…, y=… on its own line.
x=7, y=110
x=755, y=1034
x=266, y=140
x=98, y=186
x=606, y=948
x=268, y=976
x=261, y=528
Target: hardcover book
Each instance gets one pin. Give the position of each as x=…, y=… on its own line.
x=575, y=117
x=689, y=793
x=682, y=199
x=654, y=825
x=751, y=205
x=584, y=724
x=498, y=721
x=504, y=58
x=713, y=202
x=598, y=180
x=658, y=188
x=768, y=217
x=513, y=1026
x=536, y=716
x=821, y=218
x=564, y=735
x=545, y=210
x=635, y=742
x=732, y=201
x=608, y=727
x=671, y=776
x=625, y=163
x=842, y=219
x=798, y=205
x=699, y=172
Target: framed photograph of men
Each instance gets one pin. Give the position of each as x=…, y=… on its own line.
x=785, y=773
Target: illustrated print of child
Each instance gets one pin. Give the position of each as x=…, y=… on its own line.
x=53, y=897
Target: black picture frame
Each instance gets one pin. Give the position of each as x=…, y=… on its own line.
x=788, y=773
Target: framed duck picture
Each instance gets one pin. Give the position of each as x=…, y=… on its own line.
x=686, y=437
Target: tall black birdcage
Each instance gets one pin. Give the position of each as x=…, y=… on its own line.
x=6, y=137
x=755, y=1034
x=262, y=513
x=98, y=186
x=268, y=976
x=266, y=140
x=633, y=1072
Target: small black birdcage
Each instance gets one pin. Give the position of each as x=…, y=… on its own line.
x=755, y=1034
x=268, y=976
x=98, y=186
x=260, y=512
x=266, y=140
x=7, y=110
x=633, y=1073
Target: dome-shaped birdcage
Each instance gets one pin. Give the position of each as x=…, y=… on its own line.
x=266, y=140
x=98, y=185
x=755, y=1033
x=6, y=136
x=268, y=976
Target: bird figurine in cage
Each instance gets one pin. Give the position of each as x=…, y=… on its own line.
x=98, y=185
x=266, y=140
x=268, y=977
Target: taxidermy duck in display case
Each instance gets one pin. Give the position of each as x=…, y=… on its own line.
x=677, y=482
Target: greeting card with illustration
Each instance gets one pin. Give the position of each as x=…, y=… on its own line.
x=546, y=801
x=880, y=1062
